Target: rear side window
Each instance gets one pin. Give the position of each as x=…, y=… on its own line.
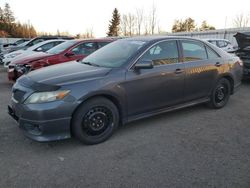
x=211, y=53
x=222, y=44
x=163, y=53
x=193, y=51
x=101, y=44
x=213, y=42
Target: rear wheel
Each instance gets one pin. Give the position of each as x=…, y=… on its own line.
x=95, y=120
x=220, y=94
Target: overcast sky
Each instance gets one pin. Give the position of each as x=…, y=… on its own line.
x=75, y=16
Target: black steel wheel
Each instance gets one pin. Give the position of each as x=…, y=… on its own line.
x=220, y=94
x=95, y=120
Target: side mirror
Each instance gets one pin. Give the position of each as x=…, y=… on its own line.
x=69, y=54
x=145, y=64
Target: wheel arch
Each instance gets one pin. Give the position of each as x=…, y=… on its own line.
x=114, y=99
x=229, y=77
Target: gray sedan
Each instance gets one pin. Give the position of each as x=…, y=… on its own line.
x=124, y=81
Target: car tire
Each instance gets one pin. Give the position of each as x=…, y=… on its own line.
x=220, y=94
x=95, y=120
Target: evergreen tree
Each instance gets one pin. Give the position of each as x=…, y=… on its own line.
x=10, y=28
x=114, y=24
x=1, y=15
x=8, y=14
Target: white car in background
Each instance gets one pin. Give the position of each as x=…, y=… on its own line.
x=40, y=47
x=224, y=44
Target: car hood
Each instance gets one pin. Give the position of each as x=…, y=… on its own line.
x=24, y=54
x=67, y=73
x=243, y=39
x=29, y=58
x=15, y=52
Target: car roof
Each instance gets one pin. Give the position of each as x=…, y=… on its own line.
x=153, y=38
x=95, y=40
x=215, y=39
x=54, y=37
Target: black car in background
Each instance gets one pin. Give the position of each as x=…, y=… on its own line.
x=243, y=40
x=126, y=80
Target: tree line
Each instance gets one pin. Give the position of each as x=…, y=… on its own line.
x=9, y=27
x=131, y=24
x=140, y=23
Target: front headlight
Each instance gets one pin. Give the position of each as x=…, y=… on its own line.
x=42, y=97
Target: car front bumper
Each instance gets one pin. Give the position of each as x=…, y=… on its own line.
x=42, y=122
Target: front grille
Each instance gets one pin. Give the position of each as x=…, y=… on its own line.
x=18, y=95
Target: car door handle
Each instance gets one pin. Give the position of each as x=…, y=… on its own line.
x=218, y=64
x=179, y=71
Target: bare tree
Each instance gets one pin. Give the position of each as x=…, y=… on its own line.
x=124, y=25
x=88, y=33
x=139, y=20
x=146, y=26
x=153, y=19
x=241, y=20
x=131, y=24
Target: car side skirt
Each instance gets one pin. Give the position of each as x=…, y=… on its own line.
x=168, y=109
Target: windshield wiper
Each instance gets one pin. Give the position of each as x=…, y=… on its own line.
x=91, y=64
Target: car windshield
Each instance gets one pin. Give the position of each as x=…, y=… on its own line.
x=61, y=47
x=114, y=54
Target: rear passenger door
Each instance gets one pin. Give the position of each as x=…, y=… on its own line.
x=202, y=65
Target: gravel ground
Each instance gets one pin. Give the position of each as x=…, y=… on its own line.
x=193, y=147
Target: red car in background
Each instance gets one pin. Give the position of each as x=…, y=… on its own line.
x=68, y=51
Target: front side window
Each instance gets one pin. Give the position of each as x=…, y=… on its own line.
x=162, y=53
x=84, y=48
x=193, y=51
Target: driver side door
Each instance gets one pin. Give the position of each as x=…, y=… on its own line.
x=162, y=86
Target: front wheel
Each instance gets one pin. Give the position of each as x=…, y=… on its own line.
x=95, y=120
x=220, y=94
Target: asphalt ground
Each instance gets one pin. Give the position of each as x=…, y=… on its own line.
x=192, y=147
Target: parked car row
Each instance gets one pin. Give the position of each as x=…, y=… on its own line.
x=24, y=43
x=48, y=52
x=126, y=80
x=40, y=47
